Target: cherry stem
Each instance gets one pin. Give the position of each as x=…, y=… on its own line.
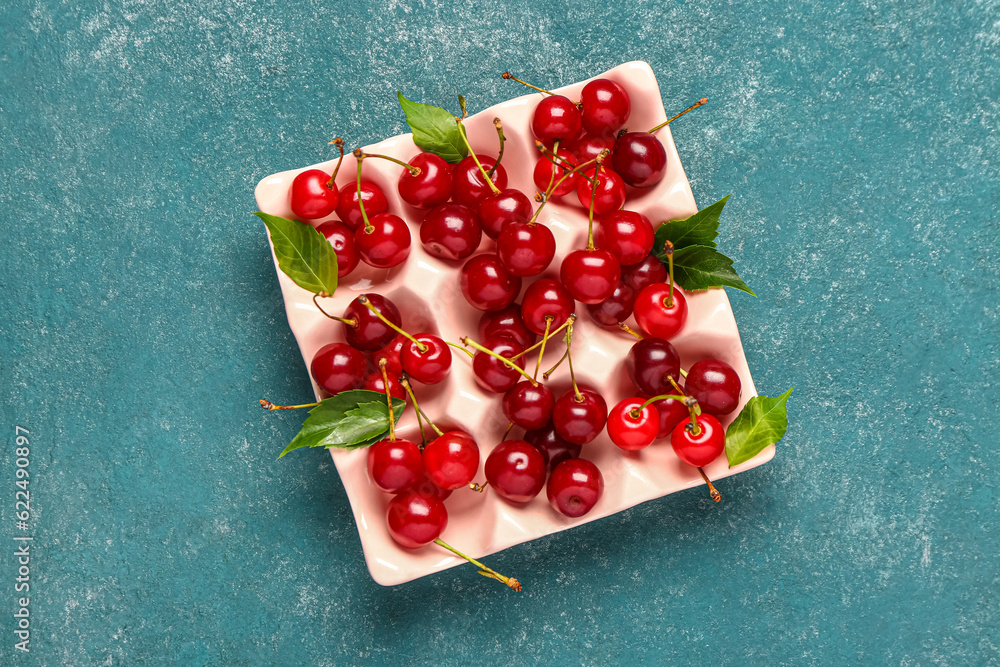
x=552, y=172
x=364, y=300
x=459, y=347
x=268, y=405
x=571, y=318
x=477, y=487
x=483, y=570
x=575, y=170
x=507, y=362
x=593, y=198
x=405, y=381
x=360, y=156
x=336, y=170
x=569, y=358
x=541, y=351
x=669, y=252
x=465, y=139
x=497, y=124
x=353, y=322
x=677, y=386
x=558, y=160
x=414, y=171
x=546, y=374
x=510, y=425
x=694, y=409
x=654, y=399
x=712, y=491
x=697, y=104
x=388, y=397
x=627, y=329
x=684, y=373
x=508, y=75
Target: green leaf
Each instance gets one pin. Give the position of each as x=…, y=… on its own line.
x=304, y=255
x=349, y=420
x=700, y=229
x=434, y=129
x=701, y=267
x=762, y=422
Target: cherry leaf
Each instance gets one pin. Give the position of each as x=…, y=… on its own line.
x=434, y=129
x=699, y=267
x=349, y=420
x=699, y=229
x=762, y=422
x=304, y=255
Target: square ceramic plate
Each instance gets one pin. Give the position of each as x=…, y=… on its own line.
x=427, y=292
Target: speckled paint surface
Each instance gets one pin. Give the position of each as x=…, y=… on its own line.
x=141, y=320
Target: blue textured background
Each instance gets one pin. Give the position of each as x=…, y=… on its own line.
x=142, y=320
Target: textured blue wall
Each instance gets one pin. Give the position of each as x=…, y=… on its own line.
x=142, y=320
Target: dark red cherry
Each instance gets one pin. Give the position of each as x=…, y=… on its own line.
x=431, y=187
x=546, y=297
x=496, y=210
x=590, y=276
x=386, y=244
x=491, y=373
x=703, y=448
x=547, y=174
x=580, y=420
x=553, y=448
x=588, y=147
x=348, y=210
x=338, y=367
x=515, y=470
x=648, y=271
x=625, y=234
x=650, y=364
x=374, y=382
x=451, y=231
x=715, y=385
x=470, y=187
x=342, y=240
x=654, y=315
x=574, y=487
x=528, y=406
x=631, y=426
x=370, y=333
x=508, y=322
x=606, y=107
x=555, y=117
x=526, y=249
x=671, y=412
x=390, y=352
x=395, y=465
x=428, y=366
x=616, y=308
x=426, y=487
x=487, y=284
x=309, y=196
x=640, y=159
x=610, y=192
x=451, y=460
x=415, y=519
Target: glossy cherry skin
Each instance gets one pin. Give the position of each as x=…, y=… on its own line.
x=650, y=364
x=553, y=448
x=415, y=519
x=610, y=194
x=395, y=465
x=451, y=231
x=428, y=366
x=632, y=426
x=574, y=487
x=370, y=333
x=555, y=117
x=342, y=240
x=526, y=249
x=590, y=276
x=702, y=449
x=547, y=174
x=431, y=187
x=338, y=367
x=579, y=422
x=348, y=210
x=470, y=187
x=546, y=298
x=487, y=284
x=387, y=244
x=515, y=470
x=506, y=321
x=390, y=352
x=374, y=382
x=625, y=234
x=496, y=210
x=616, y=308
x=654, y=315
x=640, y=159
x=587, y=147
x=426, y=487
x=606, y=107
x=671, y=412
x=451, y=460
x=310, y=198
x=715, y=385
x=649, y=270
x=528, y=406
x=491, y=373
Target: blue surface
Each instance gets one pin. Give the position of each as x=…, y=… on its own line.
x=142, y=320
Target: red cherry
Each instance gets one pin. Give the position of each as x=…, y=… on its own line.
x=342, y=240
x=487, y=284
x=654, y=315
x=387, y=244
x=590, y=276
x=632, y=426
x=415, y=520
x=515, y=470
x=640, y=159
x=699, y=450
x=610, y=191
x=431, y=187
x=588, y=147
x=671, y=412
x=547, y=174
x=648, y=271
x=338, y=367
x=606, y=107
x=650, y=364
x=451, y=231
x=616, y=308
x=496, y=210
x=528, y=406
x=491, y=373
x=470, y=187
x=574, y=487
x=451, y=460
x=526, y=249
x=395, y=465
x=370, y=333
x=310, y=198
x=348, y=210
x=625, y=234
x=553, y=448
x=426, y=487
x=580, y=421
x=374, y=382
x=546, y=297
x=555, y=117
x=429, y=366
x=390, y=352
x=715, y=385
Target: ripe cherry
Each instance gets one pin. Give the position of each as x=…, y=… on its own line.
x=671, y=412
x=625, y=234
x=590, y=276
x=640, y=159
x=431, y=187
x=651, y=363
x=395, y=465
x=496, y=210
x=506, y=321
x=701, y=448
x=610, y=191
x=313, y=195
x=342, y=240
x=633, y=425
x=451, y=460
x=616, y=308
x=369, y=332
x=544, y=298
x=649, y=270
x=415, y=520
x=375, y=382
x=515, y=470
x=716, y=386
x=385, y=243
x=606, y=107
x=528, y=406
x=547, y=173
x=580, y=417
x=427, y=360
x=588, y=147
x=450, y=231
x=490, y=372
x=657, y=313
x=470, y=187
x=553, y=448
x=487, y=284
x=390, y=352
x=338, y=367
x=526, y=248
x=426, y=487
x=348, y=210
x=574, y=487
x=556, y=118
